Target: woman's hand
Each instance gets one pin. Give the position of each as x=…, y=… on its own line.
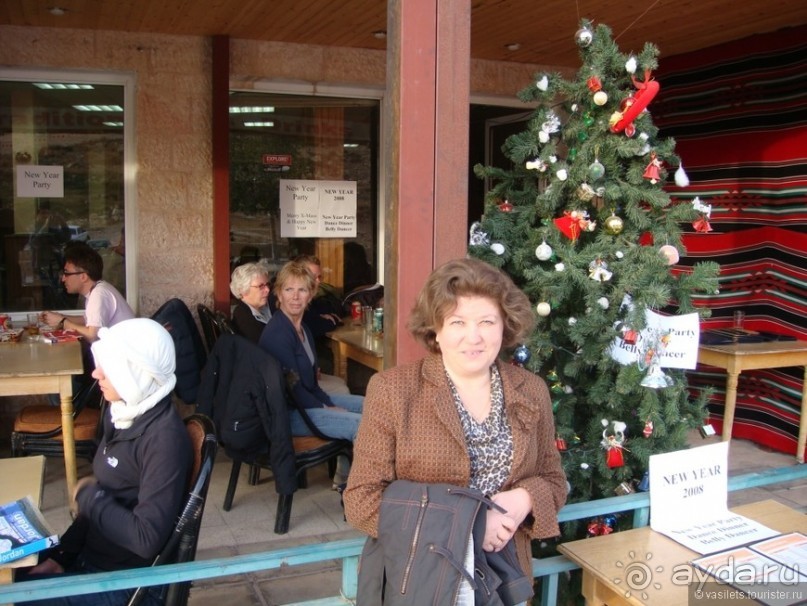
x=85, y=481
x=49, y=566
x=500, y=527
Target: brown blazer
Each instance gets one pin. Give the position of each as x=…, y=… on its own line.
x=410, y=430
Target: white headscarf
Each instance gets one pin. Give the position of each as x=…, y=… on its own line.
x=138, y=358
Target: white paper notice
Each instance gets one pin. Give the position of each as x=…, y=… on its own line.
x=40, y=181
x=317, y=209
x=689, y=497
x=675, y=339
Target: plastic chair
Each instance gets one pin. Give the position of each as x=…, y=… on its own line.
x=38, y=428
x=181, y=545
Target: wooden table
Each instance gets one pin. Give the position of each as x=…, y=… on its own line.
x=737, y=357
x=41, y=368
x=644, y=567
x=355, y=343
x=21, y=477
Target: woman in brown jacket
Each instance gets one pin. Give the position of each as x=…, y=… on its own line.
x=462, y=416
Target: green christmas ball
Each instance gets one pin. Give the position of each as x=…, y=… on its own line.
x=588, y=119
x=582, y=136
x=596, y=170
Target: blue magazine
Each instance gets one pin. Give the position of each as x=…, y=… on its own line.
x=23, y=530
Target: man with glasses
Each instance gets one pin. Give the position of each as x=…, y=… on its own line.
x=104, y=306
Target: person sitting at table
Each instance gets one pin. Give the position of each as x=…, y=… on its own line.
x=291, y=342
x=128, y=507
x=103, y=304
x=463, y=416
x=250, y=284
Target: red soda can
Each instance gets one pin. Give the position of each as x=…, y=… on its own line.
x=355, y=312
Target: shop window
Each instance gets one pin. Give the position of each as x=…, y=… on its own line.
x=62, y=179
x=279, y=141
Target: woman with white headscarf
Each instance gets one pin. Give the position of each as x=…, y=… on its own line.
x=128, y=507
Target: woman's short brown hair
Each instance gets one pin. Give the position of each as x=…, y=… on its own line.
x=469, y=278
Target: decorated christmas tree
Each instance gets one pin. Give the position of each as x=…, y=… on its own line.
x=584, y=226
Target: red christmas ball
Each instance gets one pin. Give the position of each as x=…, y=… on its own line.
x=505, y=207
x=626, y=103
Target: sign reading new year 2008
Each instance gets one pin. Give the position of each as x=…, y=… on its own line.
x=317, y=209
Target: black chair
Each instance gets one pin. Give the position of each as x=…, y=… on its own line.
x=177, y=319
x=245, y=392
x=309, y=451
x=214, y=324
x=181, y=545
x=38, y=428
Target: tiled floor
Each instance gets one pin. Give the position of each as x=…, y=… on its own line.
x=317, y=517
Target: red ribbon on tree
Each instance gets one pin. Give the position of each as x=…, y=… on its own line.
x=573, y=222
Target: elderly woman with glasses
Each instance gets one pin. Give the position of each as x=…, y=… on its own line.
x=250, y=285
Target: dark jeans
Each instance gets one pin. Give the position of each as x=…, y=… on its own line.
x=120, y=597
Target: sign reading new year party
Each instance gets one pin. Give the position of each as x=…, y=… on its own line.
x=671, y=340
x=317, y=209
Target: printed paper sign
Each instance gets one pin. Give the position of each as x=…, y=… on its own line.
x=674, y=339
x=317, y=209
x=40, y=181
x=689, y=497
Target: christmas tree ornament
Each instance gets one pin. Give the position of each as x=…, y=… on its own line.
x=498, y=248
x=572, y=321
x=619, y=254
x=573, y=223
x=505, y=207
x=552, y=375
x=613, y=443
x=521, y=354
x=630, y=336
x=613, y=225
x=596, y=170
x=543, y=136
x=646, y=239
x=651, y=172
x=654, y=342
x=542, y=83
x=630, y=65
x=543, y=251
x=630, y=130
x=598, y=271
x=572, y=154
x=600, y=98
x=604, y=302
x=553, y=159
x=536, y=164
x=644, y=484
x=702, y=224
x=477, y=236
x=623, y=489
x=584, y=37
x=560, y=443
x=562, y=174
x=670, y=253
x=552, y=123
x=645, y=149
x=543, y=309
x=648, y=428
x=594, y=84
x=585, y=192
x=645, y=92
x=582, y=136
x=555, y=405
x=600, y=191
x=588, y=119
x=681, y=178
x=559, y=267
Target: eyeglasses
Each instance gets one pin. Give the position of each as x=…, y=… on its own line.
x=263, y=286
x=72, y=273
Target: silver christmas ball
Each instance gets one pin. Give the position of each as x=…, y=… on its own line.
x=584, y=37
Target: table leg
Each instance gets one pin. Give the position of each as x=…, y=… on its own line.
x=597, y=594
x=69, y=444
x=730, y=404
x=802, y=421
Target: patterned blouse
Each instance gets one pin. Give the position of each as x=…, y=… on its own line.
x=490, y=443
